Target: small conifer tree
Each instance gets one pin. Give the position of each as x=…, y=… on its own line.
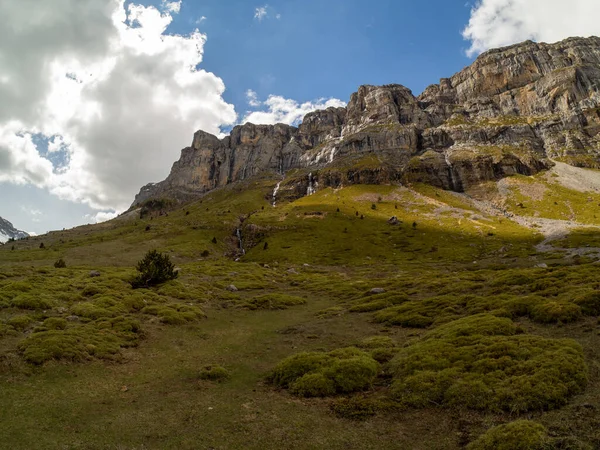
x=154, y=269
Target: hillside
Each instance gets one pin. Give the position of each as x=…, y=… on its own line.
x=89, y=362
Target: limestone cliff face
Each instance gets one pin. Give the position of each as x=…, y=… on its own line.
x=509, y=112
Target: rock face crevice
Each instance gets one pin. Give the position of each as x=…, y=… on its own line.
x=509, y=112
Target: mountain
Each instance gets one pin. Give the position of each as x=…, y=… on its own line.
x=513, y=111
x=8, y=231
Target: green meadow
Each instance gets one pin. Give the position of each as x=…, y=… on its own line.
x=331, y=325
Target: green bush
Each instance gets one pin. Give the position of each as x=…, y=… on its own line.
x=554, y=312
x=91, y=311
x=353, y=374
x=60, y=264
x=377, y=342
x=479, y=362
x=518, y=435
x=72, y=345
x=55, y=323
x=175, y=314
x=31, y=301
x=20, y=322
x=214, y=372
x=589, y=303
x=313, y=385
x=321, y=374
x=376, y=305
x=155, y=268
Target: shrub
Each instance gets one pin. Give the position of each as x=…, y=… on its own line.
x=377, y=342
x=313, y=385
x=55, y=323
x=518, y=435
x=353, y=374
x=91, y=311
x=30, y=301
x=214, y=372
x=479, y=362
x=155, y=268
x=60, y=264
x=321, y=374
x=175, y=314
x=553, y=312
x=376, y=305
x=589, y=303
x=20, y=322
x=72, y=345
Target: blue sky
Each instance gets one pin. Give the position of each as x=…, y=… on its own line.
x=98, y=97
x=327, y=48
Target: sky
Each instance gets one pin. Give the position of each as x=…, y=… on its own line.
x=98, y=97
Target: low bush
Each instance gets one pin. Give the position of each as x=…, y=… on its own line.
x=479, y=362
x=518, y=435
x=60, y=264
x=323, y=374
x=71, y=345
x=589, y=303
x=92, y=311
x=175, y=314
x=20, y=322
x=31, y=301
x=313, y=385
x=155, y=268
x=55, y=323
x=214, y=372
x=554, y=312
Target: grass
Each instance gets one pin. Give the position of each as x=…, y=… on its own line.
x=468, y=336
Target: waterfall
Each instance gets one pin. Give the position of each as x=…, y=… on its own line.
x=454, y=183
x=238, y=233
x=275, y=191
x=312, y=186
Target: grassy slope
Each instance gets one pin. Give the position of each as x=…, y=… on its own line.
x=455, y=262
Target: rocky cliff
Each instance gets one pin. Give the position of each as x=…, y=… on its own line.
x=8, y=231
x=512, y=111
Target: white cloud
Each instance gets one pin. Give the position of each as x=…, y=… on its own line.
x=200, y=20
x=260, y=13
x=173, y=7
x=282, y=110
x=278, y=16
x=102, y=216
x=107, y=86
x=496, y=23
x=252, y=98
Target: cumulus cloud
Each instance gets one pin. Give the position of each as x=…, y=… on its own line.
x=283, y=110
x=496, y=23
x=260, y=13
x=252, y=98
x=100, y=217
x=105, y=85
x=173, y=7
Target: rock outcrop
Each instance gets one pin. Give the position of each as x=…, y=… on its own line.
x=510, y=112
x=8, y=231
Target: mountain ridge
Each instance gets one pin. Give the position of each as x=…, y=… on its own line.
x=512, y=111
x=8, y=231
